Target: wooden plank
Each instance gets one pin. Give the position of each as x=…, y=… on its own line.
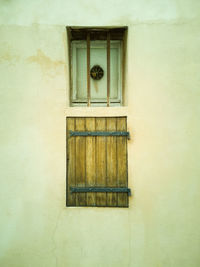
x=71, y=170
x=111, y=162
x=90, y=162
x=122, y=162
x=101, y=161
x=88, y=69
x=108, y=69
x=80, y=161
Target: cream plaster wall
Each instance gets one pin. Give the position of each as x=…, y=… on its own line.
x=161, y=226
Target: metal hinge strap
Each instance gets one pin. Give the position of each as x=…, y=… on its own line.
x=97, y=133
x=101, y=189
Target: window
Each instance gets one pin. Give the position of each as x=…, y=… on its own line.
x=97, y=66
x=97, y=162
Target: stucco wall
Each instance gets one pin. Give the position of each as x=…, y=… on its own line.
x=161, y=226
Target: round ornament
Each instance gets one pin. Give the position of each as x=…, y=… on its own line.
x=96, y=72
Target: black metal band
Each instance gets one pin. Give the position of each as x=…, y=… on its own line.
x=100, y=189
x=97, y=133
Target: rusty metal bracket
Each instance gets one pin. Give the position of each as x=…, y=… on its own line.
x=100, y=189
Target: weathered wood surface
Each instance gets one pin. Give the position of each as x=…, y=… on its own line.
x=71, y=167
x=101, y=160
x=90, y=161
x=122, y=162
x=97, y=161
x=111, y=162
x=80, y=161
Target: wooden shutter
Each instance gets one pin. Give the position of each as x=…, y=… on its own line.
x=97, y=161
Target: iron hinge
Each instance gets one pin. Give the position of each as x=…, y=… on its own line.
x=100, y=189
x=98, y=133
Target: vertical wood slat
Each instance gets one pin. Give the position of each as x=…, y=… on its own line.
x=101, y=161
x=90, y=162
x=108, y=69
x=71, y=170
x=111, y=162
x=80, y=161
x=122, y=162
x=88, y=70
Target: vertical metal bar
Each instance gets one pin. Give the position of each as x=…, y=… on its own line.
x=88, y=69
x=108, y=69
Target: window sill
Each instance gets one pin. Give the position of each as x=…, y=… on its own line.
x=96, y=111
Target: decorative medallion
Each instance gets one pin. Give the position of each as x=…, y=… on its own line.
x=96, y=72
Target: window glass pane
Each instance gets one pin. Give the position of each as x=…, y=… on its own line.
x=114, y=73
x=98, y=57
x=81, y=72
x=98, y=88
